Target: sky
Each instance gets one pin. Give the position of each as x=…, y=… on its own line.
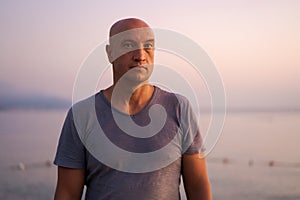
x=255, y=45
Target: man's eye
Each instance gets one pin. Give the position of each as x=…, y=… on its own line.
x=148, y=46
x=128, y=45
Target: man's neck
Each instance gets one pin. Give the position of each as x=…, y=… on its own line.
x=129, y=100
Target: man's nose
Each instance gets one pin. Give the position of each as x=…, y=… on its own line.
x=139, y=55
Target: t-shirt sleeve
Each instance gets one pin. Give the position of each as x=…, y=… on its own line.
x=192, y=141
x=70, y=150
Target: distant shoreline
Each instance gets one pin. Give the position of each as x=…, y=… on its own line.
x=34, y=103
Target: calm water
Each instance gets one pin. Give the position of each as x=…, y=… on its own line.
x=248, y=143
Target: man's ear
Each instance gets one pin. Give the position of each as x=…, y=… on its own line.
x=109, y=53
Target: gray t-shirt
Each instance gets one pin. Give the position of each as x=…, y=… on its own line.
x=106, y=183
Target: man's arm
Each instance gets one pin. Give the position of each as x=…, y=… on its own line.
x=195, y=177
x=70, y=184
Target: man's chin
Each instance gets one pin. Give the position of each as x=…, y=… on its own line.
x=135, y=79
x=136, y=75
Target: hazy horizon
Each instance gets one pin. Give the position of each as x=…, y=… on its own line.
x=39, y=101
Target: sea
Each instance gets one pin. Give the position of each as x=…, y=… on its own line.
x=257, y=156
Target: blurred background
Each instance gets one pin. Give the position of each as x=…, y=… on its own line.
x=255, y=46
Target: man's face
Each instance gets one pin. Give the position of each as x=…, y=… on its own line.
x=132, y=54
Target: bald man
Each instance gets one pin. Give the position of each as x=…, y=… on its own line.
x=131, y=53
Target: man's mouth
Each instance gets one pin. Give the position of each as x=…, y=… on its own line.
x=138, y=66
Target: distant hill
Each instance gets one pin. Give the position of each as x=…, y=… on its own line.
x=12, y=97
x=32, y=102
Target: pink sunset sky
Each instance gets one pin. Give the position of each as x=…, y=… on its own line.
x=255, y=45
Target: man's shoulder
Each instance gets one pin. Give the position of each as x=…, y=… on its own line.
x=171, y=96
x=83, y=107
x=84, y=100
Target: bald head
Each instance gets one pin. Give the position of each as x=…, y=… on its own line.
x=127, y=35
x=127, y=24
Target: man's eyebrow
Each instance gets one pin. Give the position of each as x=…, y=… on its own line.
x=128, y=40
x=150, y=40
